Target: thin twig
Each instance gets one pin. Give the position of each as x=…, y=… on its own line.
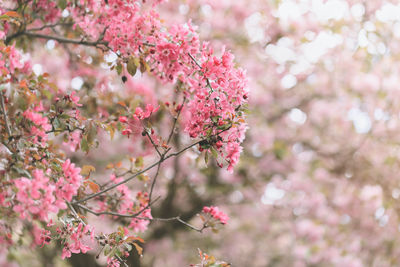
x=177, y=218
x=3, y=109
x=58, y=39
x=135, y=175
x=118, y=214
x=198, y=64
x=152, y=142
x=155, y=177
x=175, y=121
x=50, y=26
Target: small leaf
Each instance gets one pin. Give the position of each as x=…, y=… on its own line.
x=122, y=103
x=206, y=158
x=131, y=66
x=84, y=145
x=12, y=14
x=87, y=169
x=93, y=186
x=119, y=68
x=110, y=166
x=128, y=246
x=111, y=130
x=214, y=152
x=134, y=238
x=143, y=178
x=139, y=249
x=107, y=250
x=92, y=132
x=139, y=162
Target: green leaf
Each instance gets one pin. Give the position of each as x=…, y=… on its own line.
x=119, y=68
x=84, y=145
x=62, y=4
x=107, y=250
x=214, y=152
x=92, y=132
x=128, y=246
x=131, y=66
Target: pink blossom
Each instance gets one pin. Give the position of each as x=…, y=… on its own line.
x=216, y=214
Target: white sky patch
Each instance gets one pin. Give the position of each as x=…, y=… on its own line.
x=206, y=10
x=361, y=120
x=298, y=116
x=110, y=57
x=280, y=54
x=290, y=11
x=253, y=25
x=314, y=50
x=50, y=44
x=272, y=194
x=362, y=38
x=379, y=115
x=388, y=13
x=357, y=11
x=301, y=66
x=288, y=81
x=379, y=212
x=65, y=13
x=333, y=9
x=396, y=193
x=76, y=83
x=369, y=26
x=381, y=47
x=310, y=35
x=183, y=9
x=345, y=219
x=256, y=150
x=236, y=196
x=37, y=69
x=396, y=29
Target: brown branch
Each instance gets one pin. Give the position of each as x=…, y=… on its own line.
x=155, y=177
x=50, y=26
x=58, y=39
x=3, y=109
x=178, y=218
x=144, y=170
x=152, y=142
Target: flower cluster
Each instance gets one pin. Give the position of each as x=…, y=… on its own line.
x=36, y=197
x=73, y=239
x=216, y=214
x=41, y=124
x=40, y=196
x=215, y=89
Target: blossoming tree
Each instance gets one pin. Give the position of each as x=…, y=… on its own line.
x=99, y=99
x=121, y=130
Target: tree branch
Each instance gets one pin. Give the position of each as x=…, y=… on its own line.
x=58, y=39
x=116, y=213
x=3, y=110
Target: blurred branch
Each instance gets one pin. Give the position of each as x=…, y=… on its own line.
x=59, y=39
x=115, y=213
x=3, y=110
x=146, y=169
